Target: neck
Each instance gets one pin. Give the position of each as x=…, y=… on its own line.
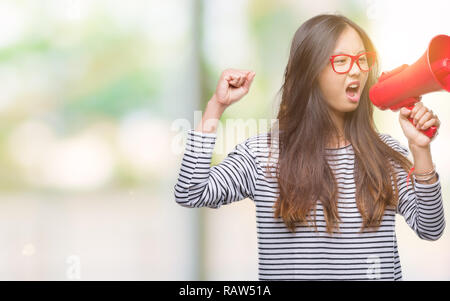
x=339, y=120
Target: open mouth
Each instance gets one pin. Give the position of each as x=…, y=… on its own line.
x=352, y=91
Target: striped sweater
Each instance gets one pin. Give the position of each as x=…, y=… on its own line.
x=306, y=254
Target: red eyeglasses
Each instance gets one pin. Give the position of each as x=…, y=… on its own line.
x=343, y=63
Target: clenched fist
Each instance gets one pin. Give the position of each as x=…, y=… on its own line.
x=233, y=85
x=423, y=118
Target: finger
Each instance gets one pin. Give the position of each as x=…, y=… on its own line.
x=235, y=80
x=405, y=112
x=231, y=72
x=237, y=76
x=420, y=112
x=425, y=117
x=227, y=74
x=237, y=72
x=225, y=82
x=235, y=84
x=243, y=73
x=431, y=122
x=438, y=121
x=232, y=83
x=241, y=80
x=416, y=107
x=419, y=103
x=249, y=76
x=249, y=80
x=232, y=78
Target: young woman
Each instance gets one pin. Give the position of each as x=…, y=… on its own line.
x=326, y=184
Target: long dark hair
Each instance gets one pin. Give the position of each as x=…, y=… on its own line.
x=304, y=128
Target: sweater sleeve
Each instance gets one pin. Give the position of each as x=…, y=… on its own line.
x=421, y=205
x=201, y=185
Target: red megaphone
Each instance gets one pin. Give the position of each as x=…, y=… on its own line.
x=403, y=86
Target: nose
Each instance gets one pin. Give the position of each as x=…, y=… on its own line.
x=355, y=71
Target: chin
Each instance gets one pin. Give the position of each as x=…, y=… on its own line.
x=350, y=108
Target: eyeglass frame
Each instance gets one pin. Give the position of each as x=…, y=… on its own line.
x=353, y=58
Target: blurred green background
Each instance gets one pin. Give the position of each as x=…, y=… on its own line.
x=95, y=101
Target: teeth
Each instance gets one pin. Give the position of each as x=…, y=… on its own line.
x=353, y=86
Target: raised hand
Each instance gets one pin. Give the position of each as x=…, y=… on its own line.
x=233, y=85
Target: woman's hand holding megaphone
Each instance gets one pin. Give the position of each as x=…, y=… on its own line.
x=408, y=104
x=416, y=121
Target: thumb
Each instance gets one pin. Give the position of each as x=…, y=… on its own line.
x=250, y=77
x=404, y=112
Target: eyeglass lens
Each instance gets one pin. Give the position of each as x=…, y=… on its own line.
x=342, y=62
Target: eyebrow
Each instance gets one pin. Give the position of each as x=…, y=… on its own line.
x=341, y=52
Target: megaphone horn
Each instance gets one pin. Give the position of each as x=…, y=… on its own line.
x=404, y=85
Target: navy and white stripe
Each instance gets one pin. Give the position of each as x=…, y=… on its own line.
x=306, y=254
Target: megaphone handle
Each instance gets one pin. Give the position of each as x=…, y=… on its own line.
x=430, y=132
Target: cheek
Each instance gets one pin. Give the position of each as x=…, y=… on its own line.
x=332, y=87
x=366, y=76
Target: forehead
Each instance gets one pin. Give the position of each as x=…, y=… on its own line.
x=349, y=42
